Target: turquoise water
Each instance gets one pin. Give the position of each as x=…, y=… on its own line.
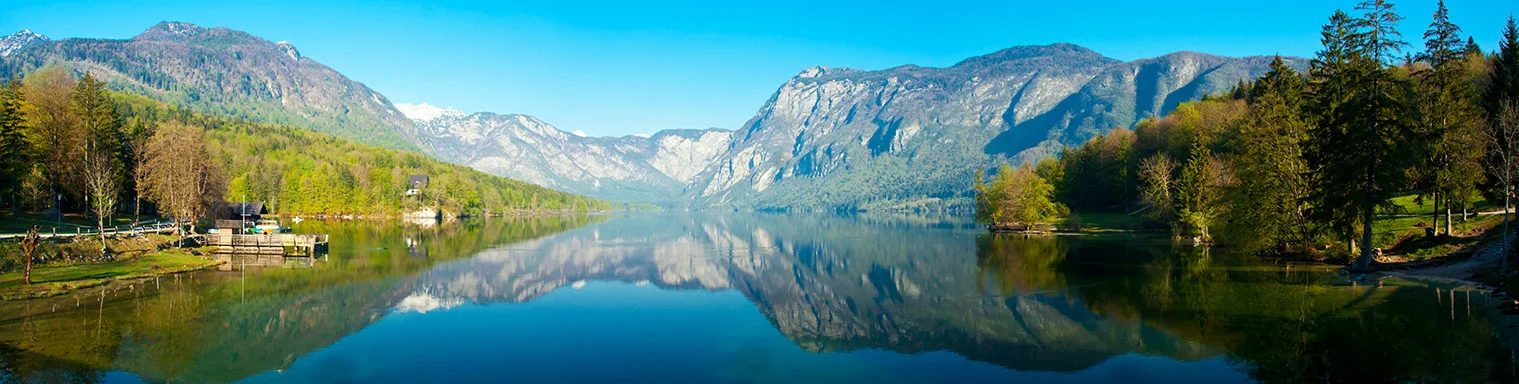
x=757, y=298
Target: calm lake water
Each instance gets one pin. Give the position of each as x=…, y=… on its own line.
x=756, y=298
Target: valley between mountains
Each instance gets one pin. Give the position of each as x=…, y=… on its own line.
x=902, y=138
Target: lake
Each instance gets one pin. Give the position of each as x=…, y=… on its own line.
x=756, y=298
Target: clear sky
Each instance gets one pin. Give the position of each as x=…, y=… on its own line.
x=625, y=67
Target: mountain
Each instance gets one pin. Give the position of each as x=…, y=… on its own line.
x=841, y=138
x=19, y=40
x=222, y=72
x=630, y=168
x=850, y=139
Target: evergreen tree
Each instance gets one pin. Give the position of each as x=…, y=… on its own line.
x=98, y=119
x=1197, y=194
x=1379, y=131
x=1332, y=153
x=13, y=146
x=1267, y=211
x=1452, y=138
x=1504, y=79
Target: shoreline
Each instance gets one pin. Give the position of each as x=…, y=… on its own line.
x=39, y=290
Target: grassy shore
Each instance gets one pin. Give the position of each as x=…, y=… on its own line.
x=136, y=257
x=1400, y=230
x=50, y=280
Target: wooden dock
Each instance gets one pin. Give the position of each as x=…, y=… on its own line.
x=235, y=262
x=279, y=244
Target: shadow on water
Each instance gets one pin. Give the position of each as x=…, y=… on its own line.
x=903, y=284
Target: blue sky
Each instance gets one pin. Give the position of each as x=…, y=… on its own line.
x=615, y=68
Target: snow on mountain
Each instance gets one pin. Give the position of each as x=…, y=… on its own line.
x=426, y=112
x=19, y=40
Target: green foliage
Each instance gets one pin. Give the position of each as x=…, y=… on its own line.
x=13, y=145
x=1015, y=198
x=1198, y=192
x=1267, y=211
x=1158, y=187
x=1099, y=175
x=1503, y=81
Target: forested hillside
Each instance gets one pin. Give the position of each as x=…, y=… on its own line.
x=226, y=73
x=299, y=172
x=70, y=145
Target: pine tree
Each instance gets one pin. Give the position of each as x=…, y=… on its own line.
x=1267, y=211
x=1504, y=79
x=1331, y=153
x=1359, y=147
x=13, y=146
x=1378, y=127
x=1448, y=119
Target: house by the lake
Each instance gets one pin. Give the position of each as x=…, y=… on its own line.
x=415, y=183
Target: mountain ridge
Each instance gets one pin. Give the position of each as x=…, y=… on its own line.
x=844, y=138
x=230, y=73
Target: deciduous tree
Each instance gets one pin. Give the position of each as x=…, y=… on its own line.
x=53, y=131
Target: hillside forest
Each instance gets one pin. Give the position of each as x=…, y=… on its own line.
x=69, y=145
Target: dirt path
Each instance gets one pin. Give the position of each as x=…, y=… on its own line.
x=1490, y=254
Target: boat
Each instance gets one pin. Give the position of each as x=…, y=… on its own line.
x=269, y=226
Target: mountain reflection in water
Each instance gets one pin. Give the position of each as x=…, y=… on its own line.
x=892, y=292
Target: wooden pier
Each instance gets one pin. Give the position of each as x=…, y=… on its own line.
x=279, y=244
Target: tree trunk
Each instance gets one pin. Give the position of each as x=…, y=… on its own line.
x=1447, y=221
x=100, y=231
x=26, y=273
x=1505, y=230
x=1368, y=214
x=1434, y=218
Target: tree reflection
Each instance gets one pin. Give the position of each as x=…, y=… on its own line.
x=1278, y=324
x=1020, y=264
x=225, y=326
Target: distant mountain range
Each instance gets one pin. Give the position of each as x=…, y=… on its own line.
x=850, y=139
x=829, y=138
x=651, y=169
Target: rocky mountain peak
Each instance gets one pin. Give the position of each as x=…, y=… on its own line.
x=172, y=30
x=813, y=72
x=21, y=39
x=288, y=49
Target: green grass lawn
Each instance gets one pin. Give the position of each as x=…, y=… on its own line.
x=1406, y=235
x=138, y=257
x=1407, y=206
